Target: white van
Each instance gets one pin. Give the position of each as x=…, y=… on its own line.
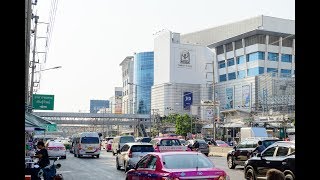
x=87, y=144
x=119, y=141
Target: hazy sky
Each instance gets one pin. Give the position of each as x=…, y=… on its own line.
x=91, y=38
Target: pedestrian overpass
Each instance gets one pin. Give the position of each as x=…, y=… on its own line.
x=71, y=122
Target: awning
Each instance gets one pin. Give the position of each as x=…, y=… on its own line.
x=32, y=121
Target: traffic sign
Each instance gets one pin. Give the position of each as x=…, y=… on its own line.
x=51, y=127
x=42, y=101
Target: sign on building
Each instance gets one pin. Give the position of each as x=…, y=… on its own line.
x=42, y=102
x=187, y=100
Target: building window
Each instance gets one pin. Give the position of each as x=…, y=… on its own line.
x=219, y=50
x=231, y=76
x=274, y=40
x=286, y=58
x=240, y=60
x=229, y=47
x=285, y=73
x=238, y=44
x=255, y=39
x=273, y=56
x=222, y=64
x=230, y=62
x=255, y=71
x=241, y=74
x=273, y=71
x=288, y=42
x=223, y=77
x=255, y=56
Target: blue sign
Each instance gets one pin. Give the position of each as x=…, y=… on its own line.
x=187, y=100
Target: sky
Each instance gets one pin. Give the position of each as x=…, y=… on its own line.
x=91, y=38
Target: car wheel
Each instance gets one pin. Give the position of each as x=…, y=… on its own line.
x=113, y=153
x=231, y=164
x=250, y=174
x=97, y=156
x=117, y=164
x=289, y=177
x=74, y=155
x=206, y=154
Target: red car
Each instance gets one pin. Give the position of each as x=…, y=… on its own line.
x=222, y=143
x=175, y=166
x=109, y=145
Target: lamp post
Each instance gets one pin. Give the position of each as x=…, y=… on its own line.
x=32, y=83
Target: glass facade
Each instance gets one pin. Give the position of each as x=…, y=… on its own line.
x=143, y=80
x=273, y=56
x=285, y=73
x=222, y=64
x=230, y=62
x=223, y=77
x=231, y=76
x=255, y=71
x=274, y=71
x=255, y=56
x=240, y=60
x=286, y=58
x=241, y=74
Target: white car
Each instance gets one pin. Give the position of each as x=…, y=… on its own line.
x=131, y=153
x=56, y=149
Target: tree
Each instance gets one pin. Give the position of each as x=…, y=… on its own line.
x=182, y=123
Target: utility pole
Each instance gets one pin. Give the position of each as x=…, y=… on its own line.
x=27, y=47
x=214, y=103
x=33, y=60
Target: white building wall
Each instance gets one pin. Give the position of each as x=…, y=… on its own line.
x=162, y=51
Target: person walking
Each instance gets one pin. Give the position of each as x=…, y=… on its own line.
x=275, y=174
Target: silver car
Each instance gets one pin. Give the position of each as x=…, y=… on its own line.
x=131, y=153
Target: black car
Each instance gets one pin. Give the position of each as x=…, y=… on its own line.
x=280, y=155
x=243, y=150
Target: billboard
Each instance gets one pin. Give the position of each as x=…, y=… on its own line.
x=246, y=96
x=187, y=100
x=229, y=98
x=96, y=105
x=118, y=105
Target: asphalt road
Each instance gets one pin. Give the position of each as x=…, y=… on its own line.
x=104, y=168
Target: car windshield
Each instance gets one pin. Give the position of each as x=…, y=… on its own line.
x=170, y=142
x=126, y=139
x=90, y=140
x=55, y=144
x=186, y=161
x=145, y=140
x=142, y=148
x=269, y=142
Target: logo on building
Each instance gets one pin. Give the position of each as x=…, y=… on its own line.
x=185, y=57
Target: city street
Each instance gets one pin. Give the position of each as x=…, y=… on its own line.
x=104, y=168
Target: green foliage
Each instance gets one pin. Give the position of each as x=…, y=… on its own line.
x=182, y=123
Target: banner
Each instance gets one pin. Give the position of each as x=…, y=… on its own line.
x=246, y=96
x=187, y=100
x=229, y=98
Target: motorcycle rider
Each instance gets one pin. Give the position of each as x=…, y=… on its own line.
x=43, y=156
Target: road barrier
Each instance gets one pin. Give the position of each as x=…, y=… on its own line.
x=219, y=151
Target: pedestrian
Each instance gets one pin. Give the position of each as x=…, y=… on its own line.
x=196, y=145
x=275, y=174
x=43, y=156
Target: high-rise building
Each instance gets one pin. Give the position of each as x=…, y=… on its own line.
x=143, y=80
x=182, y=75
x=96, y=105
x=254, y=63
x=127, y=66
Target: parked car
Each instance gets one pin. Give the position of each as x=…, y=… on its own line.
x=280, y=155
x=176, y=165
x=222, y=143
x=143, y=139
x=56, y=149
x=131, y=153
x=243, y=150
x=203, y=146
x=109, y=145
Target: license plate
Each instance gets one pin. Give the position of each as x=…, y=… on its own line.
x=56, y=149
x=89, y=148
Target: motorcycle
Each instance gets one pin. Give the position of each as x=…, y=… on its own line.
x=50, y=172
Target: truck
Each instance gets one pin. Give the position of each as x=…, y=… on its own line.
x=253, y=132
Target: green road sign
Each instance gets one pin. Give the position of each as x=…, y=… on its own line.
x=42, y=101
x=51, y=127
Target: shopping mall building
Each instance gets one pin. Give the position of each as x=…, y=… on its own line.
x=253, y=64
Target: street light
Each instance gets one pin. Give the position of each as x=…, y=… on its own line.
x=32, y=84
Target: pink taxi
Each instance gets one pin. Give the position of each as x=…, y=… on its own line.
x=175, y=166
x=165, y=144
